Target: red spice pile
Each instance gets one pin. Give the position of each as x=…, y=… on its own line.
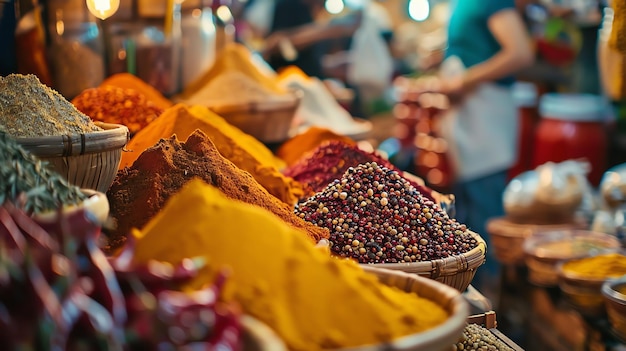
x=139, y=192
x=111, y=104
x=376, y=216
x=332, y=159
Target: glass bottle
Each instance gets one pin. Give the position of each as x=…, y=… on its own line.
x=76, y=50
x=198, y=39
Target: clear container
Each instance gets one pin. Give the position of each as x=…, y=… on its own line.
x=76, y=49
x=198, y=39
x=138, y=43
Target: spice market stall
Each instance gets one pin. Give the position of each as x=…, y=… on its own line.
x=205, y=237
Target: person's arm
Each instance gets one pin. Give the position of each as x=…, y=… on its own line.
x=508, y=29
x=515, y=53
x=309, y=34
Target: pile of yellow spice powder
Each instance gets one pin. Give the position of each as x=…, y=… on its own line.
x=312, y=301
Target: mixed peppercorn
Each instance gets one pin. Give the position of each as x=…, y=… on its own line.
x=478, y=338
x=374, y=215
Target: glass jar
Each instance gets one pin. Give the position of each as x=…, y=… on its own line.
x=572, y=127
x=76, y=50
x=198, y=39
x=144, y=39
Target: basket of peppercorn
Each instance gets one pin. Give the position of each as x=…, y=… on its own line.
x=378, y=218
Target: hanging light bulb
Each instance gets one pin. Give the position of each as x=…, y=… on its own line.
x=103, y=9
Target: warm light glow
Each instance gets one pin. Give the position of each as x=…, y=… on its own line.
x=103, y=9
x=224, y=14
x=419, y=10
x=334, y=6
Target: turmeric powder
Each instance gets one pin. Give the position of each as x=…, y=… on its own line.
x=313, y=301
x=243, y=150
x=129, y=81
x=617, y=40
x=604, y=266
x=293, y=149
x=139, y=192
x=234, y=57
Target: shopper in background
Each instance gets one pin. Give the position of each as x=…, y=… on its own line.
x=489, y=43
x=295, y=35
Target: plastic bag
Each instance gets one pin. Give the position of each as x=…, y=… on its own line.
x=550, y=192
x=371, y=63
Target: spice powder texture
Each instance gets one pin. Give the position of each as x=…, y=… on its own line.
x=117, y=105
x=311, y=300
x=129, y=81
x=139, y=192
x=604, y=266
x=28, y=108
x=242, y=149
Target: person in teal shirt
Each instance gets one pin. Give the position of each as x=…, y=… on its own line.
x=487, y=44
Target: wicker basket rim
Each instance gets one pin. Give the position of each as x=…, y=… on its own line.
x=473, y=257
x=577, y=278
x=532, y=245
x=456, y=306
x=110, y=130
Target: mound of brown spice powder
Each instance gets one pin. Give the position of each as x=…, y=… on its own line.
x=139, y=192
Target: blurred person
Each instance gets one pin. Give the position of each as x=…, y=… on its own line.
x=490, y=42
x=295, y=34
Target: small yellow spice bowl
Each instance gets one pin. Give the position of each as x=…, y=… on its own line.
x=543, y=252
x=581, y=280
x=614, y=294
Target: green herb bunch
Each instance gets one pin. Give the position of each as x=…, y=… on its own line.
x=28, y=182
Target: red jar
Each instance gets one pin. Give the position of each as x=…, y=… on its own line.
x=572, y=127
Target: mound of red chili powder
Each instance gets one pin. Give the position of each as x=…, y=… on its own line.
x=332, y=159
x=140, y=191
x=376, y=216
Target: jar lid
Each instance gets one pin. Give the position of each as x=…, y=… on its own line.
x=573, y=107
x=525, y=94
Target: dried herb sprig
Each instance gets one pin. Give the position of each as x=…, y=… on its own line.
x=23, y=175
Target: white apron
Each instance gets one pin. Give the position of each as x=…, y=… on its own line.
x=481, y=132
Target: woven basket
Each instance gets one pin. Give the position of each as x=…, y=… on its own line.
x=615, y=303
x=583, y=294
x=544, y=252
x=439, y=338
x=507, y=237
x=268, y=121
x=86, y=160
x=455, y=271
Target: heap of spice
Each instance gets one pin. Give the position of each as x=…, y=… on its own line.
x=129, y=81
x=243, y=150
x=604, y=266
x=478, y=338
x=28, y=108
x=310, y=299
x=376, y=216
x=117, y=105
x=139, y=192
x=232, y=80
x=27, y=181
x=294, y=149
x=332, y=159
